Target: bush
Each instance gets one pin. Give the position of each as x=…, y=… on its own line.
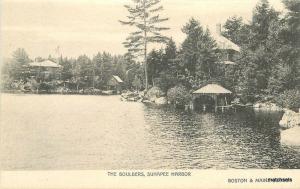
x=6, y=82
x=48, y=86
x=178, y=95
x=154, y=92
x=289, y=99
x=165, y=81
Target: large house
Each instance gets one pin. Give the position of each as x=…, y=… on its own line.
x=44, y=70
x=229, y=50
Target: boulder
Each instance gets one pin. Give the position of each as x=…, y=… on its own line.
x=274, y=107
x=257, y=105
x=291, y=136
x=154, y=93
x=267, y=106
x=161, y=101
x=146, y=101
x=131, y=96
x=290, y=119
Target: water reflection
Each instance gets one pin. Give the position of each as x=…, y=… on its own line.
x=96, y=132
x=247, y=139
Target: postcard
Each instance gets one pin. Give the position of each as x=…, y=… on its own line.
x=150, y=94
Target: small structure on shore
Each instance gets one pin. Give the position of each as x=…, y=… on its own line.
x=115, y=84
x=210, y=96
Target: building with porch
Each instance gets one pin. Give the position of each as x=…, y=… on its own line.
x=43, y=71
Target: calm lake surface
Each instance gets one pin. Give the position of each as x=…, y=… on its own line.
x=98, y=132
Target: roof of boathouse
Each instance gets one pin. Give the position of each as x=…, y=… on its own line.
x=212, y=89
x=46, y=63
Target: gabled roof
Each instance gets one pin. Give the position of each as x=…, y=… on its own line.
x=46, y=63
x=118, y=79
x=212, y=89
x=224, y=43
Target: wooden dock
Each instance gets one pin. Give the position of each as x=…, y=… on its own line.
x=223, y=108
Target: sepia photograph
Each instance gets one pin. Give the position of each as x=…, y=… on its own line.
x=126, y=85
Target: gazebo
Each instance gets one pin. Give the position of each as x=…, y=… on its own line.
x=211, y=94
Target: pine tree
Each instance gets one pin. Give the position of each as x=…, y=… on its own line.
x=263, y=15
x=143, y=15
x=20, y=58
x=259, y=52
x=155, y=64
x=171, y=64
x=236, y=30
x=292, y=39
x=199, y=52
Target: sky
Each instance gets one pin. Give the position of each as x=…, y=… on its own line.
x=89, y=26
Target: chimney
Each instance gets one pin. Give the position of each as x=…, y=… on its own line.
x=218, y=28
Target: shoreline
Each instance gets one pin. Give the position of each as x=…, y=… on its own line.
x=56, y=93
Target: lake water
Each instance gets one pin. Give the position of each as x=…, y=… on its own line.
x=51, y=132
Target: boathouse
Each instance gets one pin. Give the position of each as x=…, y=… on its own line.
x=211, y=96
x=115, y=84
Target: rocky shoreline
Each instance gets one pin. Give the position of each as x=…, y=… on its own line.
x=268, y=106
x=290, y=119
x=153, y=96
x=290, y=123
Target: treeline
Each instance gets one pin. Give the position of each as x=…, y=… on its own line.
x=80, y=73
x=97, y=71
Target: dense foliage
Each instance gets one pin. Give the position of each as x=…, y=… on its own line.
x=178, y=95
x=289, y=99
x=269, y=61
x=268, y=64
x=79, y=74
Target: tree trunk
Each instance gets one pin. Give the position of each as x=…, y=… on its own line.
x=94, y=77
x=153, y=84
x=145, y=43
x=146, y=70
